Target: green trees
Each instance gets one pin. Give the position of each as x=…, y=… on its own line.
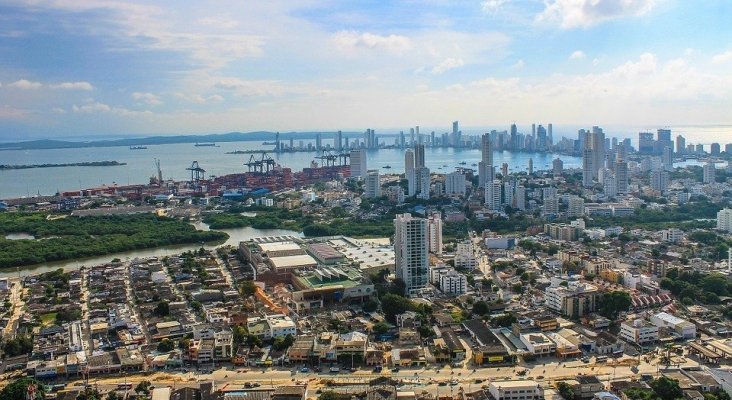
x=381, y=328
x=282, y=343
x=18, y=389
x=166, y=345
x=162, y=309
x=18, y=345
x=72, y=237
x=393, y=305
x=667, y=388
x=247, y=288
x=481, y=308
x=612, y=303
x=565, y=390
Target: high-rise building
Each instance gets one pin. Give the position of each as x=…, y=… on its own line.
x=680, y=144
x=659, y=180
x=541, y=140
x=609, y=187
x=455, y=183
x=373, y=184
x=493, y=195
x=728, y=149
x=710, y=172
x=338, y=141
x=411, y=252
x=621, y=177
x=455, y=128
x=531, y=166
x=419, y=156
x=587, y=165
x=508, y=193
x=714, y=149
x=318, y=141
x=485, y=166
x=576, y=207
x=422, y=182
x=724, y=220
x=434, y=233
x=549, y=136
x=358, y=163
x=551, y=206
x=409, y=172
x=558, y=167
x=646, y=144
x=598, y=149
x=504, y=170
x=520, y=198
x=667, y=158
x=514, y=137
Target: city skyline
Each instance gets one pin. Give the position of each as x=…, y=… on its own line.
x=113, y=68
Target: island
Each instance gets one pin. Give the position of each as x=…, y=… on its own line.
x=79, y=164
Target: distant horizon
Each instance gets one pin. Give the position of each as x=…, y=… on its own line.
x=560, y=130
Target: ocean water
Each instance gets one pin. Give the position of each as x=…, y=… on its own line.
x=175, y=158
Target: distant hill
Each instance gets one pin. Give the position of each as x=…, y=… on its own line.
x=153, y=140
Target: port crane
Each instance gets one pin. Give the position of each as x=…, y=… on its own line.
x=262, y=165
x=197, y=173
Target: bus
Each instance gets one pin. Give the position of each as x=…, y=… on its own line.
x=124, y=386
x=601, y=359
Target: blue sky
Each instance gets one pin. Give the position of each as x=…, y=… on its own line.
x=112, y=67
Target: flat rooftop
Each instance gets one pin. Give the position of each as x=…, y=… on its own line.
x=278, y=246
x=302, y=260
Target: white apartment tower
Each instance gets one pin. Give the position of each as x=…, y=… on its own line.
x=493, y=195
x=373, y=184
x=710, y=172
x=724, y=220
x=434, y=233
x=422, y=182
x=409, y=172
x=659, y=180
x=485, y=166
x=621, y=177
x=455, y=183
x=358, y=163
x=576, y=207
x=410, y=251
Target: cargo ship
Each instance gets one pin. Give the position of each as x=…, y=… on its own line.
x=205, y=144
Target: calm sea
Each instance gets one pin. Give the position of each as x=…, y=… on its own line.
x=175, y=158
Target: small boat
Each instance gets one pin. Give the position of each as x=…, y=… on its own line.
x=138, y=147
x=444, y=165
x=462, y=163
x=205, y=145
x=474, y=165
x=387, y=166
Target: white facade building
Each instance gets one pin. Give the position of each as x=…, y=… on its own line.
x=493, y=195
x=434, y=229
x=373, y=184
x=639, y=332
x=465, y=256
x=682, y=327
x=453, y=283
x=358, y=163
x=724, y=220
x=455, y=183
x=410, y=251
x=516, y=390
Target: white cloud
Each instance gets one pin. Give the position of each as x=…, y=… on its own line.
x=146, y=98
x=519, y=64
x=576, y=55
x=58, y=110
x=722, y=57
x=595, y=62
x=447, y=64
x=200, y=99
x=73, y=86
x=25, y=85
x=490, y=6
x=350, y=40
x=250, y=88
x=219, y=21
x=91, y=107
x=586, y=13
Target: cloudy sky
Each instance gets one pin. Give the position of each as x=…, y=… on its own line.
x=112, y=67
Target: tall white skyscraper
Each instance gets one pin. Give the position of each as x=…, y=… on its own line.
x=338, y=141
x=485, y=166
x=410, y=251
x=493, y=195
x=609, y=187
x=422, y=182
x=588, y=162
x=724, y=220
x=520, y=197
x=409, y=172
x=373, y=184
x=508, y=193
x=598, y=149
x=419, y=156
x=455, y=183
x=557, y=167
x=358, y=163
x=576, y=207
x=710, y=172
x=621, y=177
x=659, y=180
x=434, y=233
